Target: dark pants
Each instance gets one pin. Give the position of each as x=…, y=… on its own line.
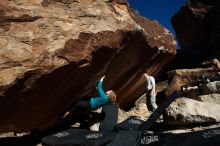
x=82, y=112
x=82, y=107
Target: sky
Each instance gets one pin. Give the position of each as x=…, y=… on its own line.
x=160, y=10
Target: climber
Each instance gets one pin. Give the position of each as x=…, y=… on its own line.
x=86, y=106
x=150, y=90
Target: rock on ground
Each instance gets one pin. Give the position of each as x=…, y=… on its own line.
x=188, y=111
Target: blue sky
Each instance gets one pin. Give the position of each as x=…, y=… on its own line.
x=160, y=10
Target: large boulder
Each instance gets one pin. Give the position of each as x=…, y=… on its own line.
x=211, y=98
x=204, y=92
x=189, y=111
x=197, y=27
x=177, y=79
x=53, y=52
x=211, y=87
x=199, y=103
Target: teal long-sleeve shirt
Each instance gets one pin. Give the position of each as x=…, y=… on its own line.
x=102, y=99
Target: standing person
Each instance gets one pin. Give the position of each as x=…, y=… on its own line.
x=150, y=87
x=86, y=106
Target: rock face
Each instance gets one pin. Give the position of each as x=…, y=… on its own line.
x=192, y=77
x=211, y=98
x=53, y=52
x=207, y=92
x=197, y=27
x=189, y=111
x=211, y=87
x=200, y=96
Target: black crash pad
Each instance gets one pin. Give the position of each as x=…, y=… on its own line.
x=79, y=137
x=209, y=137
x=111, y=117
x=131, y=124
x=126, y=138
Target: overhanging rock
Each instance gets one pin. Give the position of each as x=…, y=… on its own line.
x=52, y=53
